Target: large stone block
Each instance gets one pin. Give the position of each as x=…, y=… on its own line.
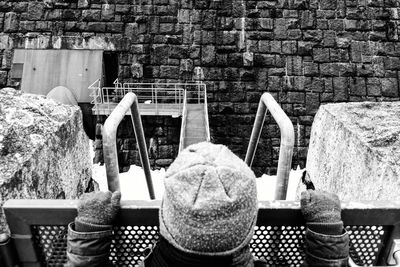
x=355, y=150
x=44, y=151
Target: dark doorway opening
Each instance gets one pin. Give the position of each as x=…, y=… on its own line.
x=110, y=68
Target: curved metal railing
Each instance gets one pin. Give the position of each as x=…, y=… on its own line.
x=287, y=141
x=109, y=142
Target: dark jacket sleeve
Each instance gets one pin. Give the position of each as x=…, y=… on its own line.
x=326, y=250
x=88, y=249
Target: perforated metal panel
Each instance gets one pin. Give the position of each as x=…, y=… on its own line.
x=51, y=244
x=365, y=243
x=277, y=245
x=132, y=243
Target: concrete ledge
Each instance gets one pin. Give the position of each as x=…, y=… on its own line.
x=355, y=150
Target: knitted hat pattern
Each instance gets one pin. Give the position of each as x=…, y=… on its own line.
x=210, y=201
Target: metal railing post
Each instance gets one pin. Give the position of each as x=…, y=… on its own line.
x=109, y=142
x=287, y=141
x=156, y=99
x=198, y=96
x=208, y=138
x=183, y=123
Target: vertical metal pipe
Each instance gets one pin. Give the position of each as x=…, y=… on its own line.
x=198, y=94
x=256, y=133
x=109, y=141
x=287, y=141
x=156, y=101
x=140, y=139
x=8, y=254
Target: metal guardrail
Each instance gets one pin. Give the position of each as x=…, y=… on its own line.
x=287, y=141
x=159, y=95
x=208, y=138
x=183, y=124
x=22, y=214
x=109, y=142
x=95, y=92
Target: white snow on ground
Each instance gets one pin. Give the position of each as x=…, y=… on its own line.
x=132, y=183
x=134, y=187
x=266, y=185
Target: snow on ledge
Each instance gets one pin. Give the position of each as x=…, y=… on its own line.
x=134, y=187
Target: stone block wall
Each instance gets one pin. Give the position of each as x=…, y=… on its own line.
x=305, y=52
x=164, y=132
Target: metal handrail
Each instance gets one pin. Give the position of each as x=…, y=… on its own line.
x=95, y=93
x=208, y=138
x=164, y=84
x=109, y=142
x=109, y=93
x=117, y=84
x=287, y=141
x=183, y=124
x=185, y=86
x=105, y=98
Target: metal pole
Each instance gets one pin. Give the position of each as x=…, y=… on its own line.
x=256, y=133
x=287, y=141
x=140, y=139
x=8, y=254
x=156, y=100
x=198, y=94
x=109, y=142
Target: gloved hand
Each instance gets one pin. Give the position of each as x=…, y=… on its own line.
x=322, y=210
x=97, y=209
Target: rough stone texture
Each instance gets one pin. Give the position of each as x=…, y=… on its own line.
x=165, y=132
x=355, y=150
x=304, y=52
x=44, y=151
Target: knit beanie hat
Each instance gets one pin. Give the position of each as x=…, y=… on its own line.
x=210, y=201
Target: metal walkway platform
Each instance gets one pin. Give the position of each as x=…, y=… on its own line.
x=188, y=100
x=174, y=110
x=154, y=99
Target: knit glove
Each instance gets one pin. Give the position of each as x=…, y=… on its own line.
x=97, y=211
x=321, y=210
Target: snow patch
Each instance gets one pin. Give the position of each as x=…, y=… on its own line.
x=266, y=185
x=132, y=183
x=134, y=187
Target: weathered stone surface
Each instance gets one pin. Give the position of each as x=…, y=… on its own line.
x=355, y=150
x=11, y=22
x=327, y=50
x=44, y=151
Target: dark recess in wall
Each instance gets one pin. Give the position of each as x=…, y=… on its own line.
x=110, y=68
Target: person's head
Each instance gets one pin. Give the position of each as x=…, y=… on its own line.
x=210, y=202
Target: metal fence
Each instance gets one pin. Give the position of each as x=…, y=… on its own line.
x=39, y=227
x=157, y=96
